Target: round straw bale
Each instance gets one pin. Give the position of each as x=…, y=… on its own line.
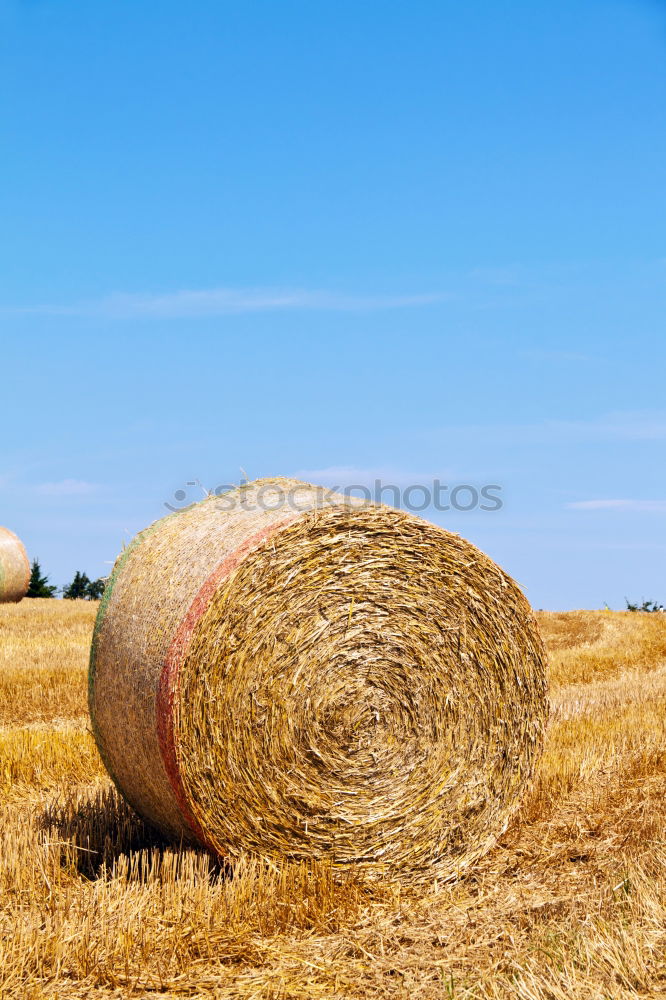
x=318, y=678
x=14, y=568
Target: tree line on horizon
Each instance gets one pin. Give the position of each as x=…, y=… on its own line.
x=81, y=587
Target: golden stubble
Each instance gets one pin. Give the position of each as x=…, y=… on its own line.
x=571, y=903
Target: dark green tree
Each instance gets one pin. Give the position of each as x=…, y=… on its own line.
x=78, y=588
x=82, y=588
x=645, y=606
x=39, y=585
x=95, y=589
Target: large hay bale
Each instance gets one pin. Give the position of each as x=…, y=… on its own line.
x=14, y=568
x=343, y=681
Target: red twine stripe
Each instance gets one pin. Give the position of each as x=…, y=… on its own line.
x=168, y=686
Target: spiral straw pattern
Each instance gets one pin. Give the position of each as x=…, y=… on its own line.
x=14, y=568
x=341, y=681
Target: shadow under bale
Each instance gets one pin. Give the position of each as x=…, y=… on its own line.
x=100, y=836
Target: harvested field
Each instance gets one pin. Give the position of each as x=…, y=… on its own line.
x=572, y=903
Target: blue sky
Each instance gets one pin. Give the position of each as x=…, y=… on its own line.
x=349, y=241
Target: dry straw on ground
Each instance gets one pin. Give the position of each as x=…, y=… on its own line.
x=570, y=905
x=341, y=682
x=14, y=568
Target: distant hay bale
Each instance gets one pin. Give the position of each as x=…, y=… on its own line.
x=14, y=568
x=341, y=681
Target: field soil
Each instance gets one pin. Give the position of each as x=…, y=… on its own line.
x=570, y=904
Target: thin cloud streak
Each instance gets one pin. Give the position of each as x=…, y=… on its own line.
x=630, y=505
x=207, y=302
x=619, y=426
x=344, y=476
x=67, y=488
x=548, y=356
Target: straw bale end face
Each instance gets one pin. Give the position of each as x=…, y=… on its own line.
x=14, y=568
x=340, y=681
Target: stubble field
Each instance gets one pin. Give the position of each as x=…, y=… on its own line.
x=570, y=904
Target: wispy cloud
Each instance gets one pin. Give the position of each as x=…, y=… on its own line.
x=193, y=303
x=500, y=276
x=67, y=488
x=615, y=427
x=342, y=476
x=556, y=356
x=618, y=426
x=642, y=506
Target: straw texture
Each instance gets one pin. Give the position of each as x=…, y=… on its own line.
x=341, y=681
x=14, y=568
